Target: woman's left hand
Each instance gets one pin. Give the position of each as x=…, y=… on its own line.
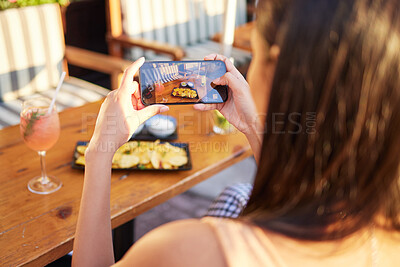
x=121, y=114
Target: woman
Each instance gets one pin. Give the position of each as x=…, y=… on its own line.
x=326, y=191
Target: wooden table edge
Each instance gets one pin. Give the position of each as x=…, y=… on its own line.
x=123, y=216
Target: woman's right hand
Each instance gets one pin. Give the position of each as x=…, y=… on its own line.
x=239, y=109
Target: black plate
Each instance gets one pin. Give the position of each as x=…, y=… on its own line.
x=186, y=167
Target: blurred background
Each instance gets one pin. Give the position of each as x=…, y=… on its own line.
x=102, y=36
x=86, y=27
x=92, y=25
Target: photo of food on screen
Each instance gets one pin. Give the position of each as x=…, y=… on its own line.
x=181, y=82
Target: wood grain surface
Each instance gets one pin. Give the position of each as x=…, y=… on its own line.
x=37, y=229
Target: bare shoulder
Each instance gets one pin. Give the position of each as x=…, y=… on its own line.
x=182, y=243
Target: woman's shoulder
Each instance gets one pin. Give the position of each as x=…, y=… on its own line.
x=190, y=242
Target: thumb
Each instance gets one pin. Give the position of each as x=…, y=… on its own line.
x=127, y=79
x=148, y=112
x=204, y=107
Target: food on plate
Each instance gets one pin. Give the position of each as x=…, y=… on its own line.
x=166, y=165
x=184, y=92
x=178, y=160
x=143, y=155
x=155, y=159
x=128, y=161
x=80, y=160
x=116, y=158
x=81, y=149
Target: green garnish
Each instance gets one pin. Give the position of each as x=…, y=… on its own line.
x=141, y=167
x=35, y=116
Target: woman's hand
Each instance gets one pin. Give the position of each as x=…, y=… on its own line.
x=121, y=113
x=239, y=109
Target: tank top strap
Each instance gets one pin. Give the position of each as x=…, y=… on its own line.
x=244, y=245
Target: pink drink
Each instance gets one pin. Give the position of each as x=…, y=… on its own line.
x=39, y=130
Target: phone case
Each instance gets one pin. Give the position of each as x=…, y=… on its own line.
x=148, y=94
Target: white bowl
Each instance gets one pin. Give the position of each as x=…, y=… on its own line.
x=161, y=126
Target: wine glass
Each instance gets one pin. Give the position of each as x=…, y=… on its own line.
x=40, y=130
x=221, y=124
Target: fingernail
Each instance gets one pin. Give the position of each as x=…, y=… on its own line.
x=164, y=109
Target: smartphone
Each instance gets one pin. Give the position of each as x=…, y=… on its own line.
x=182, y=82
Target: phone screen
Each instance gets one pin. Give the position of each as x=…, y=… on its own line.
x=182, y=82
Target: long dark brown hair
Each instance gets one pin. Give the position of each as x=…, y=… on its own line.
x=331, y=152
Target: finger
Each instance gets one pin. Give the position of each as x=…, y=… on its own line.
x=204, y=107
x=210, y=57
x=236, y=86
x=127, y=79
x=136, y=91
x=136, y=98
x=140, y=104
x=229, y=65
x=137, y=103
x=227, y=79
x=148, y=112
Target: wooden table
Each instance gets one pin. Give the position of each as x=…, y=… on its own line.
x=37, y=229
x=242, y=37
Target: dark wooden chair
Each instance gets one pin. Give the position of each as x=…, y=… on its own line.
x=170, y=29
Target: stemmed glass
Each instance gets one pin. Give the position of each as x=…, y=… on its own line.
x=40, y=130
